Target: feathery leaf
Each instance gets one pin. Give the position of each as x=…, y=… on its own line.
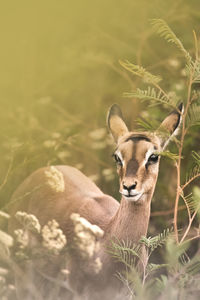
x=147, y=125
x=125, y=252
x=169, y=154
x=154, y=267
x=163, y=29
x=193, y=116
x=193, y=174
x=153, y=242
x=196, y=156
x=154, y=97
x=141, y=72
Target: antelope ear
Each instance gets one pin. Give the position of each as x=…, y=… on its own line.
x=115, y=122
x=170, y=126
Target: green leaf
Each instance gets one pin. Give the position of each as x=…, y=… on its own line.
x=193, y=116
x=125, y=252
x=175, y=252
x=169, y=154
x=193, y=173
x=194, y=69
x=141, y=72
x=193, y=267
x=188, y=199
x=154, y=267
x=196, y=198
x=196, y=156
x=163, y=29
x=147, y=125
x=161, y=283
x=154, y=97
x=157, y=241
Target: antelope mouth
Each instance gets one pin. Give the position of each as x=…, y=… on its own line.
x=132, y=196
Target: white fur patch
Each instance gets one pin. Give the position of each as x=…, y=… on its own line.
x=120, y=156
x=148, y=154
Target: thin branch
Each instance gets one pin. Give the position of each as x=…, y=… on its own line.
x=190, y=180
x=186, y=204
x=178, y=164
x=7, y=173
x=166, y=212
x=189, y=225
x=193, y=238
x=196, y=45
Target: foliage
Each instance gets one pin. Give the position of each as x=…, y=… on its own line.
x=169, y=279
x=141, y=72
x=163, y=29
x=180, y=268
x=154, y=97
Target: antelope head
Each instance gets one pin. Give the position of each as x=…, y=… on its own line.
x=137, y=153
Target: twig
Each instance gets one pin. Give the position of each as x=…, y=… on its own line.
x=196, y=45
x=186, y=204
x=193, y=238
x=178, y=164
x=7, y=173
x=189, y=225
x=190, y=180
x=166, y=212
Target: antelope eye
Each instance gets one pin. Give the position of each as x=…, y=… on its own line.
x=117, y=159
x=153, y=158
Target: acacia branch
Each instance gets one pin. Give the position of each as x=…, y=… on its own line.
x=186, y=204
x=7, y=173
x=190, y=180
x=178, y=164
x=166, y=212
x=189, y=225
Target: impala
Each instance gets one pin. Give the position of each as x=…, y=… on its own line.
x=137, y=159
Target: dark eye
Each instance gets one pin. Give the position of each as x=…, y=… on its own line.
x=117, y=159
x=153, y=159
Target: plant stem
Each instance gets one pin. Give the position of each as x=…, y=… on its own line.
x=189, y=225
x=190, y=180
x=178, y=164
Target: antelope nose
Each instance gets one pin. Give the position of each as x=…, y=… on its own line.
x=130, y=187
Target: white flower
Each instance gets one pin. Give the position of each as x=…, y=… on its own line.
x=53, y=238
x=55, y=179
x=28, y=221
x=22, y=238
x=86, y=236
x=97, y=265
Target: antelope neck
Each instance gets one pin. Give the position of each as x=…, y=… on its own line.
x=130, y=221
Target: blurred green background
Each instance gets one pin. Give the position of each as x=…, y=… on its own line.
x=60, y=72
